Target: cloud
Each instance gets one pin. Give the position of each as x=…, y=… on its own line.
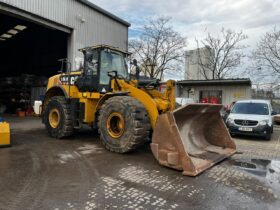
x=192, y=18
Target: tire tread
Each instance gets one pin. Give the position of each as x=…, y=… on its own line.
x=141, y=129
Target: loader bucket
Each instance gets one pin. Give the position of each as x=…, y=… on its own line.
x=192, y=138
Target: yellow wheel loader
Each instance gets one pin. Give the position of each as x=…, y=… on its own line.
x=129, y=111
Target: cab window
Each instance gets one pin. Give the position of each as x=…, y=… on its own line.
x=92, y=69
x=112, y=61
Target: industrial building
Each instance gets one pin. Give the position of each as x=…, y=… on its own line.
x=193, y=59
x=223, y=91
x=204, y=87
x=35, y=34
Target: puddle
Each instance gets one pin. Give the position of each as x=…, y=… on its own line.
x=269, y=169
x=243, y=164
x=261, y=162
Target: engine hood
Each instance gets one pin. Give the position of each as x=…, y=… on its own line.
x=249, y=117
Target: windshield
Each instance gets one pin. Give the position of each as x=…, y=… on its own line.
x=112, y=61
x=250, y=108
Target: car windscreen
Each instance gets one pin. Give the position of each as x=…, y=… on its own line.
x=250, y=108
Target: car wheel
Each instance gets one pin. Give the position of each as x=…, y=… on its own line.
x=268, y=136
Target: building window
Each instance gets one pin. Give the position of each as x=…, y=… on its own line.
x=210, y=96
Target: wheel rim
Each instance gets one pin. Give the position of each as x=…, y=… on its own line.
x=54, y=118
x=115, y=125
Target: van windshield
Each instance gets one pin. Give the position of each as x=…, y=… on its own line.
x=250, y=108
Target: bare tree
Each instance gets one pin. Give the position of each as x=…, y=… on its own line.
x=267, y=53
x=158, y=48
x=220, y=54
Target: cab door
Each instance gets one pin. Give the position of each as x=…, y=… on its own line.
x=89, y=79
x=106, y=65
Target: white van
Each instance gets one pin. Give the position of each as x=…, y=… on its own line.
x=251, y=117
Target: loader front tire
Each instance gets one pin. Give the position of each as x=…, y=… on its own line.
x=123, y=124
x=57, y=118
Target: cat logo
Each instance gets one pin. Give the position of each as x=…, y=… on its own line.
x=66, y=79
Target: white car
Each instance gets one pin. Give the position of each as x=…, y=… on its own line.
x=251, y=117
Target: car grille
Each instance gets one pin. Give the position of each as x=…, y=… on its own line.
x=246, y=122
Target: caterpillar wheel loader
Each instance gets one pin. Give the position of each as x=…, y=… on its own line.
x=129, y=111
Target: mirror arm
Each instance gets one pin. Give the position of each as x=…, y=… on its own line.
x=118, y=84
x=115, y=78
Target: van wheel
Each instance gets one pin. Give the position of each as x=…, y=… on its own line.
x=268, y=136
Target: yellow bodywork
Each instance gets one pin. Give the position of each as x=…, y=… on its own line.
x=154, y=101
x=4, y=134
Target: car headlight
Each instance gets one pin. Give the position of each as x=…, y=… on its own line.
x=263, y=122
x=230, y=120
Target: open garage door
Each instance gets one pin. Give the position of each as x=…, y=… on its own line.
x=29, y=54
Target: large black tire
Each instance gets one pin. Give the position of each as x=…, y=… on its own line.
x=136, y=122
x=64, y=126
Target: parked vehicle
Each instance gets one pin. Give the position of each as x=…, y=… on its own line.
x=277, y=119
x=225, y=112
x=251, y=117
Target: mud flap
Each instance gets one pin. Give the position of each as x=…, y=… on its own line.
x=192, y=138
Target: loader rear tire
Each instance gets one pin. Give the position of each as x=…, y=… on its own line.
x=57, y=118
x=123, y=124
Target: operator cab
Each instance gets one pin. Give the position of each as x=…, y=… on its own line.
x=98, y=62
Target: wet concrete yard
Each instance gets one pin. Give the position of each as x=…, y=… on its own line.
x=39, y=172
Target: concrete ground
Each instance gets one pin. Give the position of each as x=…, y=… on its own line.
x=39, y=172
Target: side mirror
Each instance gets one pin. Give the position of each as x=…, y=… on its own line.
x=112, y=73
x=228, y=111
x=273, y=113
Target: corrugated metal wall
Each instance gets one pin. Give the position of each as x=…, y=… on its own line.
x=97, y=28
x=229, y=93
x=50, y=9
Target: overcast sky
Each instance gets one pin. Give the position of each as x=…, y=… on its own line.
x=193, y=17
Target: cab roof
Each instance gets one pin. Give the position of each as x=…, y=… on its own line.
x=103, y=47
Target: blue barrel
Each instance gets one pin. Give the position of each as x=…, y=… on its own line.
x=1, y=119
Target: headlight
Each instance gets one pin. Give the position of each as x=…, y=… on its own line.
x=230, y=120
x=263, y=122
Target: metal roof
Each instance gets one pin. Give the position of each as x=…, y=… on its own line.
x=242, y=81
x=108, y=14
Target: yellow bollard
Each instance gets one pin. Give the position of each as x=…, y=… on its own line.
x=4, y=134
